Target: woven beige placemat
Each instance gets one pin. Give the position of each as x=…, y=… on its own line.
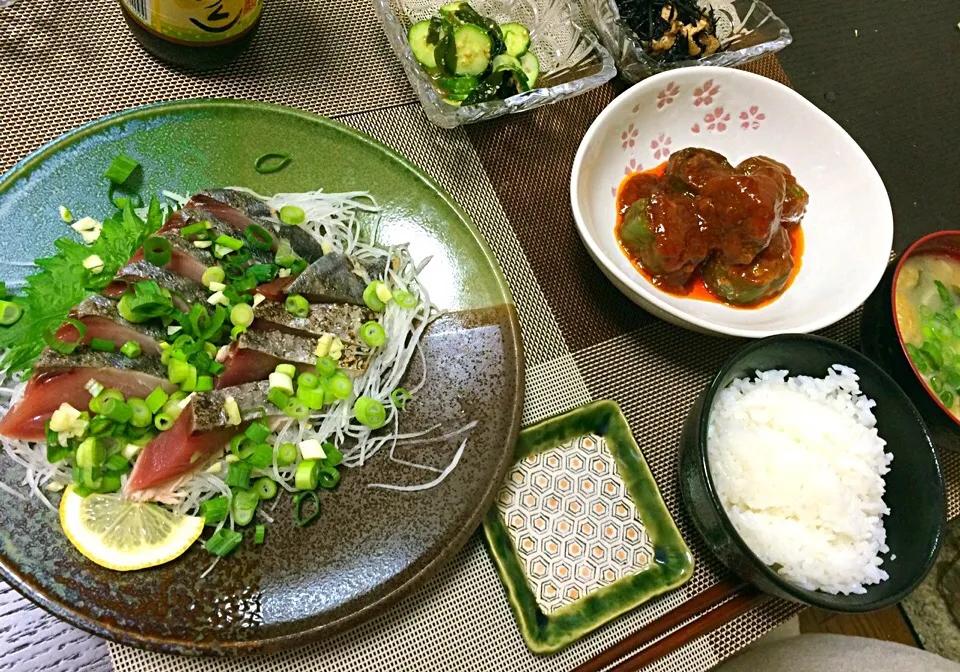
x=70, y=63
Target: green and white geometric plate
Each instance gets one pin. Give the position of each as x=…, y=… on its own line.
x=580, y=533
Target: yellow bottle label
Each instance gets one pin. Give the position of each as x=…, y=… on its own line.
x=195, y=21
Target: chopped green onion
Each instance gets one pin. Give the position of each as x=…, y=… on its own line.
x=131, y=349
x=9, y=313
x=257, y=432
x=216, y=368
x=109, y=482
x=121, y=169
x=204, y=383
x=236, y=331
x=259, y=532
x=64, y=347
x=102, y=345
x=101, y=426
x=214, y=510
x=334, y=456
x=177, y=371
x=312, y=397
x=258, y=237
x=212, y=274
x=223, y=542
x=298, y=500
x=271, y=162
x=371, y=299
x=287, y=454
x=399, y=398
x=298, y=266
x=278, y=397
x=286, y=369
x=285, y=256
x=370, y=412
x=241, y=315
x=309, y=380
x=238, y=475
x=232, y=410
x=297, y=306
x=157, y=250
x=65, y=214
x=233, y=244
x=281, y=381
x=307, y=475
x=141, y=415
x=117, y=464
x=340, y=385
x=291, y=214
x=265, y=488
x=326, y=366
x=329, y=477
x=947, y=397
x=116, y=410
x=194, y=229
x=405, y=299
x=91, y=453
x=190, y=384
x=163, y=421
x=93, y=386
x=156, y=399
x=261, y=456
x=296, y=409
x=244, y=505
x=373, y=334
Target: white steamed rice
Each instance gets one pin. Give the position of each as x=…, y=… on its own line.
x=799, y=467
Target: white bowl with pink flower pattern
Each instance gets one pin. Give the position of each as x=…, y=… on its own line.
x=848, y=228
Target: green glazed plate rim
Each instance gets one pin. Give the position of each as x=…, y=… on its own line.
x=25, y=583
x=548, y=633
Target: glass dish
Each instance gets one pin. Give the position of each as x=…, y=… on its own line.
x=752, y=31
x=572, y=61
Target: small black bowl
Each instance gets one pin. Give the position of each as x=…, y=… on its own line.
x=914, y=485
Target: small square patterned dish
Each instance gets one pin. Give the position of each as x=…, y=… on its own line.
x=579, y=532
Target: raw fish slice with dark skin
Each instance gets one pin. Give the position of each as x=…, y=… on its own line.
x=340, y=319
x=337, y=278
x=248, y=209
x=199, y=435
x=256, y=354
x=99, y=315
x=60, y=378
x=184, y=290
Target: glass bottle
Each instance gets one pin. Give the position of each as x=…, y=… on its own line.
x=195, y=34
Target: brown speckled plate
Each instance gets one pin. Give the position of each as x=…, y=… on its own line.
x=370, y=546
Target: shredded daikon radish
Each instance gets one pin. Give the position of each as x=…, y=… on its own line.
x=425, y=486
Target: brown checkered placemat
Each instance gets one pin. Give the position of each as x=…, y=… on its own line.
x=64, y=64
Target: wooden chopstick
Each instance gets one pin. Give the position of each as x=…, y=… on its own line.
x=700, y=606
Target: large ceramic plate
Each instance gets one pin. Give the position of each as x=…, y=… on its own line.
x=369, y=546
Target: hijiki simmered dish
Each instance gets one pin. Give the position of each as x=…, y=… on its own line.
x=216, y=355
x=699, y=226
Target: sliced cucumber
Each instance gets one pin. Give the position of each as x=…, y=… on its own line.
x=504, y=63
x=531, y=67
x=473, y=47
x=451, y=8
x=423, y=51
x=516, y=38
x=456, y=86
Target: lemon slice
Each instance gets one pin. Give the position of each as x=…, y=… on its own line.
x=119, y=534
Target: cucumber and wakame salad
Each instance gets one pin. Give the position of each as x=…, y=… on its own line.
x=472, y=58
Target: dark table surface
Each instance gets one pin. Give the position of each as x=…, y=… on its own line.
x=887, y=70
